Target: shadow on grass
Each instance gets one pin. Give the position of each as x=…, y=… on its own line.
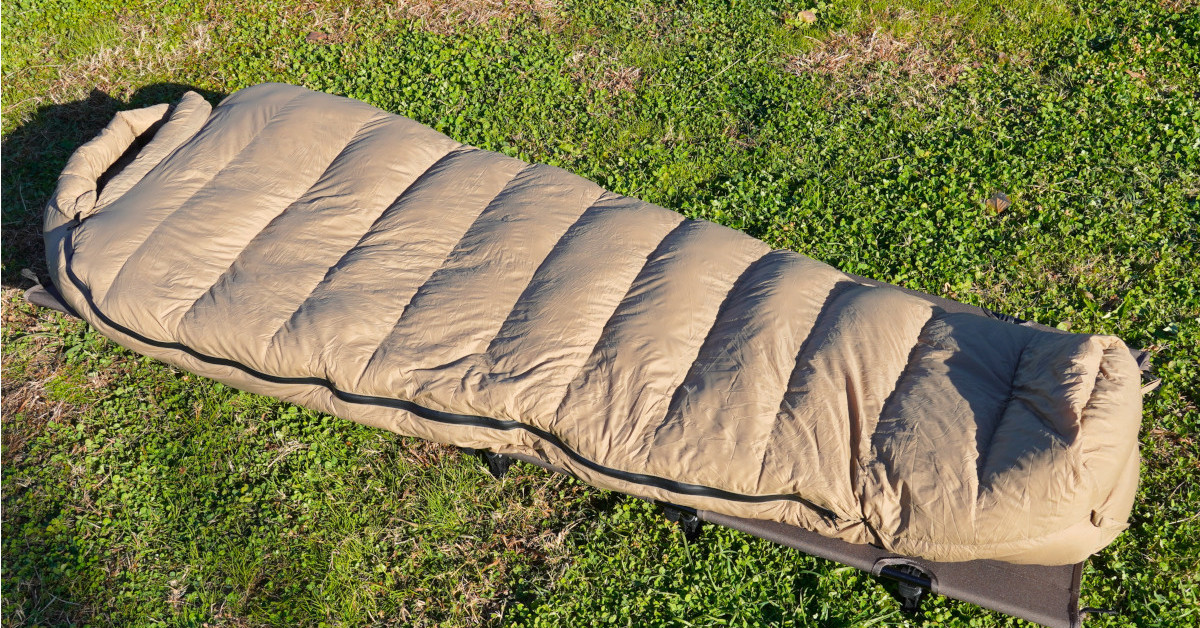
x=35, y=152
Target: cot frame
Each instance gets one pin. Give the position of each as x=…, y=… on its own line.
x=1047, y=595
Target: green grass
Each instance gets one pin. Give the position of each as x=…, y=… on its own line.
x=135, y=494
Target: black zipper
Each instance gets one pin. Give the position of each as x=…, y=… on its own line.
x=430, y=414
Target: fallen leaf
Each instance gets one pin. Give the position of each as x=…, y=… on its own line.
x=998, y=202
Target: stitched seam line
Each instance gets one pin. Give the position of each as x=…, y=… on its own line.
x=267, y=225
x=609, y=321
x=428, y=414
x=203, y=187
x=416, y=293
x=677, y=391
x=558, y=241
x=855, y=454
x=382, y=215
x=836, y=293
x=981, y=466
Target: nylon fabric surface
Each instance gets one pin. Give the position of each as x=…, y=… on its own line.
x=319, y=250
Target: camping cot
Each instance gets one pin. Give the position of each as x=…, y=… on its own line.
x=319, y=250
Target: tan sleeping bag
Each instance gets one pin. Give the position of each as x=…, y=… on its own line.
x=319, y=250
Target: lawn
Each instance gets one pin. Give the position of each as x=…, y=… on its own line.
x=871, y=138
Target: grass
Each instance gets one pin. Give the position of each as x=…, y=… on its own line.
x=136, y=494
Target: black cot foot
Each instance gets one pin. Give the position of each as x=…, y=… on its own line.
x=912, y=586
x=687, y=519
x=497, y=464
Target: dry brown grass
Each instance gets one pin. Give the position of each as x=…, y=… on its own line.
x=328, y=25
x=24, y=372
x=128, y=59
x=26, y=409
x=869, y=63
x=450, y=16
x=601, y=71
x=1179, y=6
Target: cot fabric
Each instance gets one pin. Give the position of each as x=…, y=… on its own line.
x=319, y=250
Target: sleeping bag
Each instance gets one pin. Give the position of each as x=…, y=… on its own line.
x=322, y=251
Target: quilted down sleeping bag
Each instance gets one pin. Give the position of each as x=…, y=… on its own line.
x=325, y=252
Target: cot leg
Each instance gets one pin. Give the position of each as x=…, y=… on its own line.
x=497, y=464
x=687, y=519
x=912, y=585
